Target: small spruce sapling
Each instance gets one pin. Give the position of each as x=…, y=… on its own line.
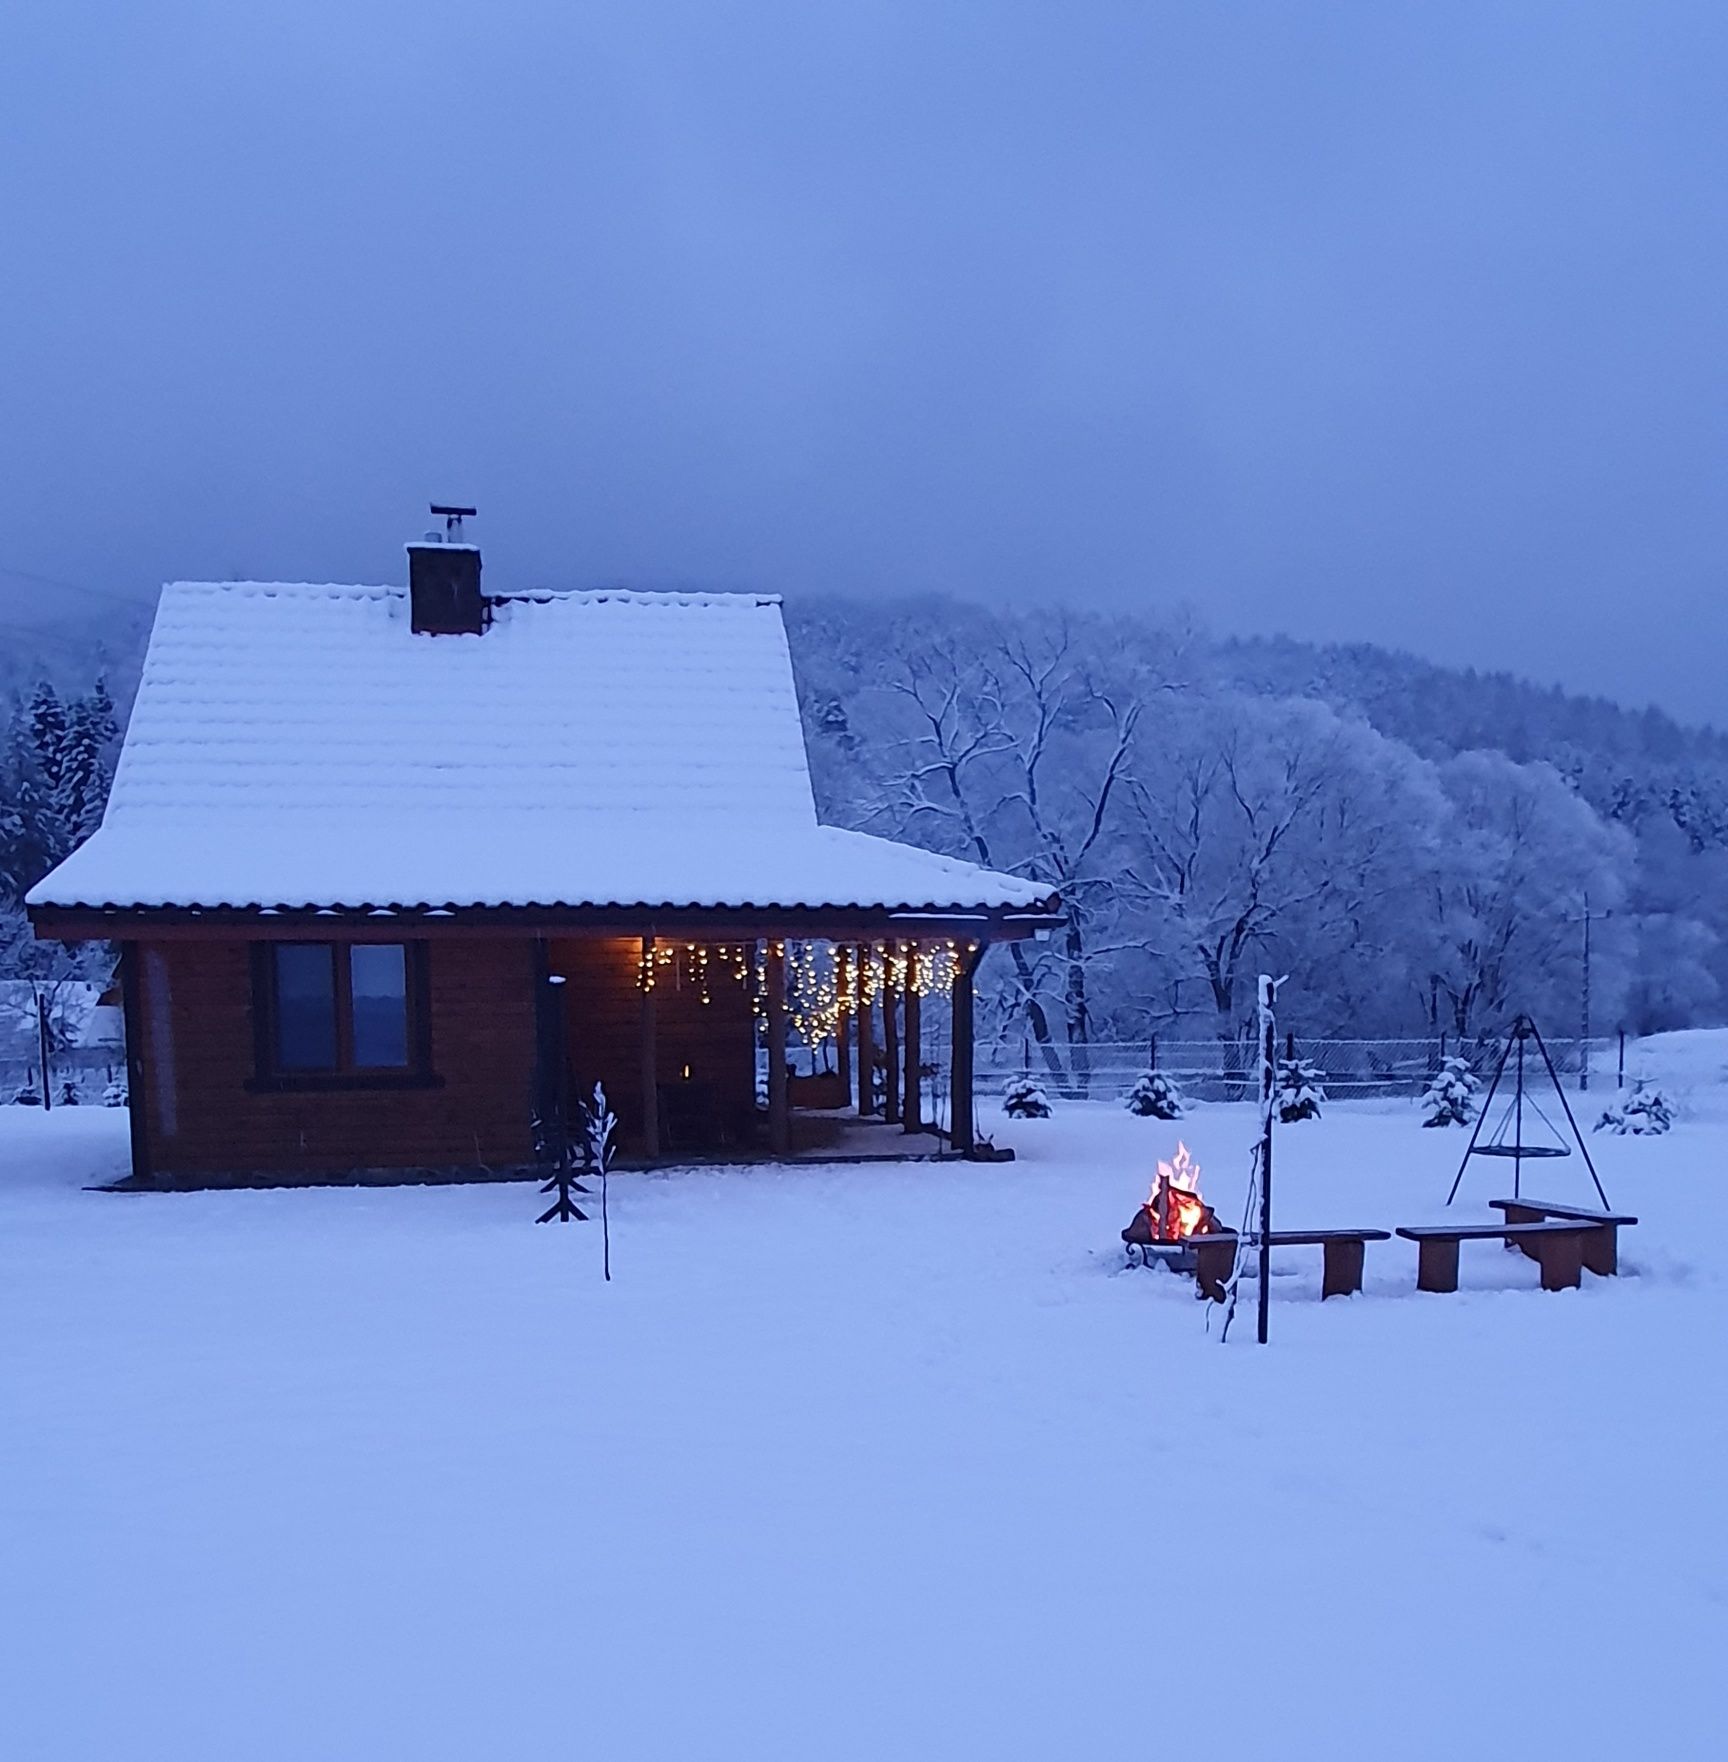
x=1450, y=1099
x=1646, y=1113
x=1156, y=1096
x=1022, y=1099
x=115, y=1094
x=1300, y=1090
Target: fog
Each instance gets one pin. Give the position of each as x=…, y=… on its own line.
x=1355, y=322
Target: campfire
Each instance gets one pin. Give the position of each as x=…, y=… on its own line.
x=1173, y=1212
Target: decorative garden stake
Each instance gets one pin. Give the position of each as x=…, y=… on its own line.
x=552, y=1122
x=600, y=1126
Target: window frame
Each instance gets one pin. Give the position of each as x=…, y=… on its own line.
x=416, y=1073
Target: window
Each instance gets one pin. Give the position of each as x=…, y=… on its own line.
x=341, y=1010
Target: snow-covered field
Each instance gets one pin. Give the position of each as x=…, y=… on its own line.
x=856, y=1462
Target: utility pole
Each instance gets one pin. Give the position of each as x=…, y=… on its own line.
x=1586, y=918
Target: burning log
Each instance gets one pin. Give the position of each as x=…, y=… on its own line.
x=1173, y=1212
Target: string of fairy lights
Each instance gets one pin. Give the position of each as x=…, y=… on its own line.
x=825, y=982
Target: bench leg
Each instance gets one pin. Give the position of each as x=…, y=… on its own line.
x=1437, y=1264
x=1212, y=1264
x=1341, y=1269
x=1522, y=1214
x=1562, y=1261
x=1602, y=1251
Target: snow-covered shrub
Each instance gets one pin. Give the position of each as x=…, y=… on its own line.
x=1299, y=1090
x=1450, y=1100
x=68, y=1096
x=1156, y=1096
x=1645, y=1113
x=1022, y=1099
x=29, y=1095
x=115, y=1094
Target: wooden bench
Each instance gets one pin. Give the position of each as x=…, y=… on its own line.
x=1601, y=1246
x=1340, y=1266
x=1557, y=1248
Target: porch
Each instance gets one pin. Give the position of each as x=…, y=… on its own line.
x=793, y=1047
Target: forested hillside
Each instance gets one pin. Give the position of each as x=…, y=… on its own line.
x=1414, y=845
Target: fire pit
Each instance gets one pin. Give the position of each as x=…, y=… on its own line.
x=1163, y=1228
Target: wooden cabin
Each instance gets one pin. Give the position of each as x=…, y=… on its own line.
x=396, y=872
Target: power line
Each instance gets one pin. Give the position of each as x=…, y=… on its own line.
x=101, y=593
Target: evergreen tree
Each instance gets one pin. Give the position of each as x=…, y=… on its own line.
x=29, y=827
x=104, y=722
x=46, y=729
x=1299, y=1090
x=1450, y=1100
x=83, y=785
x=1022, y=1099
x=1647, y=1113
x=1156, y=1096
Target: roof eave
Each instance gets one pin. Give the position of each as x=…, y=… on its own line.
x=725, y=923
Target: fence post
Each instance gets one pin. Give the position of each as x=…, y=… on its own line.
x=1620, y=1073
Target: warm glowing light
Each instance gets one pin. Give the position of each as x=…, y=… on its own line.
x=1175, y=1205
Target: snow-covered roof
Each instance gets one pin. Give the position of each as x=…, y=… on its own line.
x=298, y=747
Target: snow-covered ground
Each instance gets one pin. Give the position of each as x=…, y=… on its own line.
x=856, y=1462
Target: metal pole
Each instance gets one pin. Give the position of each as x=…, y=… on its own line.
x=1620, y=1070
x=42, y=1049
x=1518, y=1115
x=1481, y=1120
x=1268, y=1062
x=1566, y=1106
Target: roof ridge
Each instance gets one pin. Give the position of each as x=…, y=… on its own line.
x=326, y=589
x=640, y=596
x=632, y=596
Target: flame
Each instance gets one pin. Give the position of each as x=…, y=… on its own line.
x=1177, y=1209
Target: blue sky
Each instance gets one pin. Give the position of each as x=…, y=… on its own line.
x=1402, y=323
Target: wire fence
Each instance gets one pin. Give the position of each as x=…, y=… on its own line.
x=1227, y=1070
x=56, y=1048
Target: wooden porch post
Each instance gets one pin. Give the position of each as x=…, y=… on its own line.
x=912, y=1100
x=137, y=1086
x=866, y=1035
x=962, y=1063
x=774, y=1008
x=890, y=1039
x=650, y=1052
x=842, y=1015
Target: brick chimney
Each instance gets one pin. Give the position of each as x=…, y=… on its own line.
x=444, y=580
